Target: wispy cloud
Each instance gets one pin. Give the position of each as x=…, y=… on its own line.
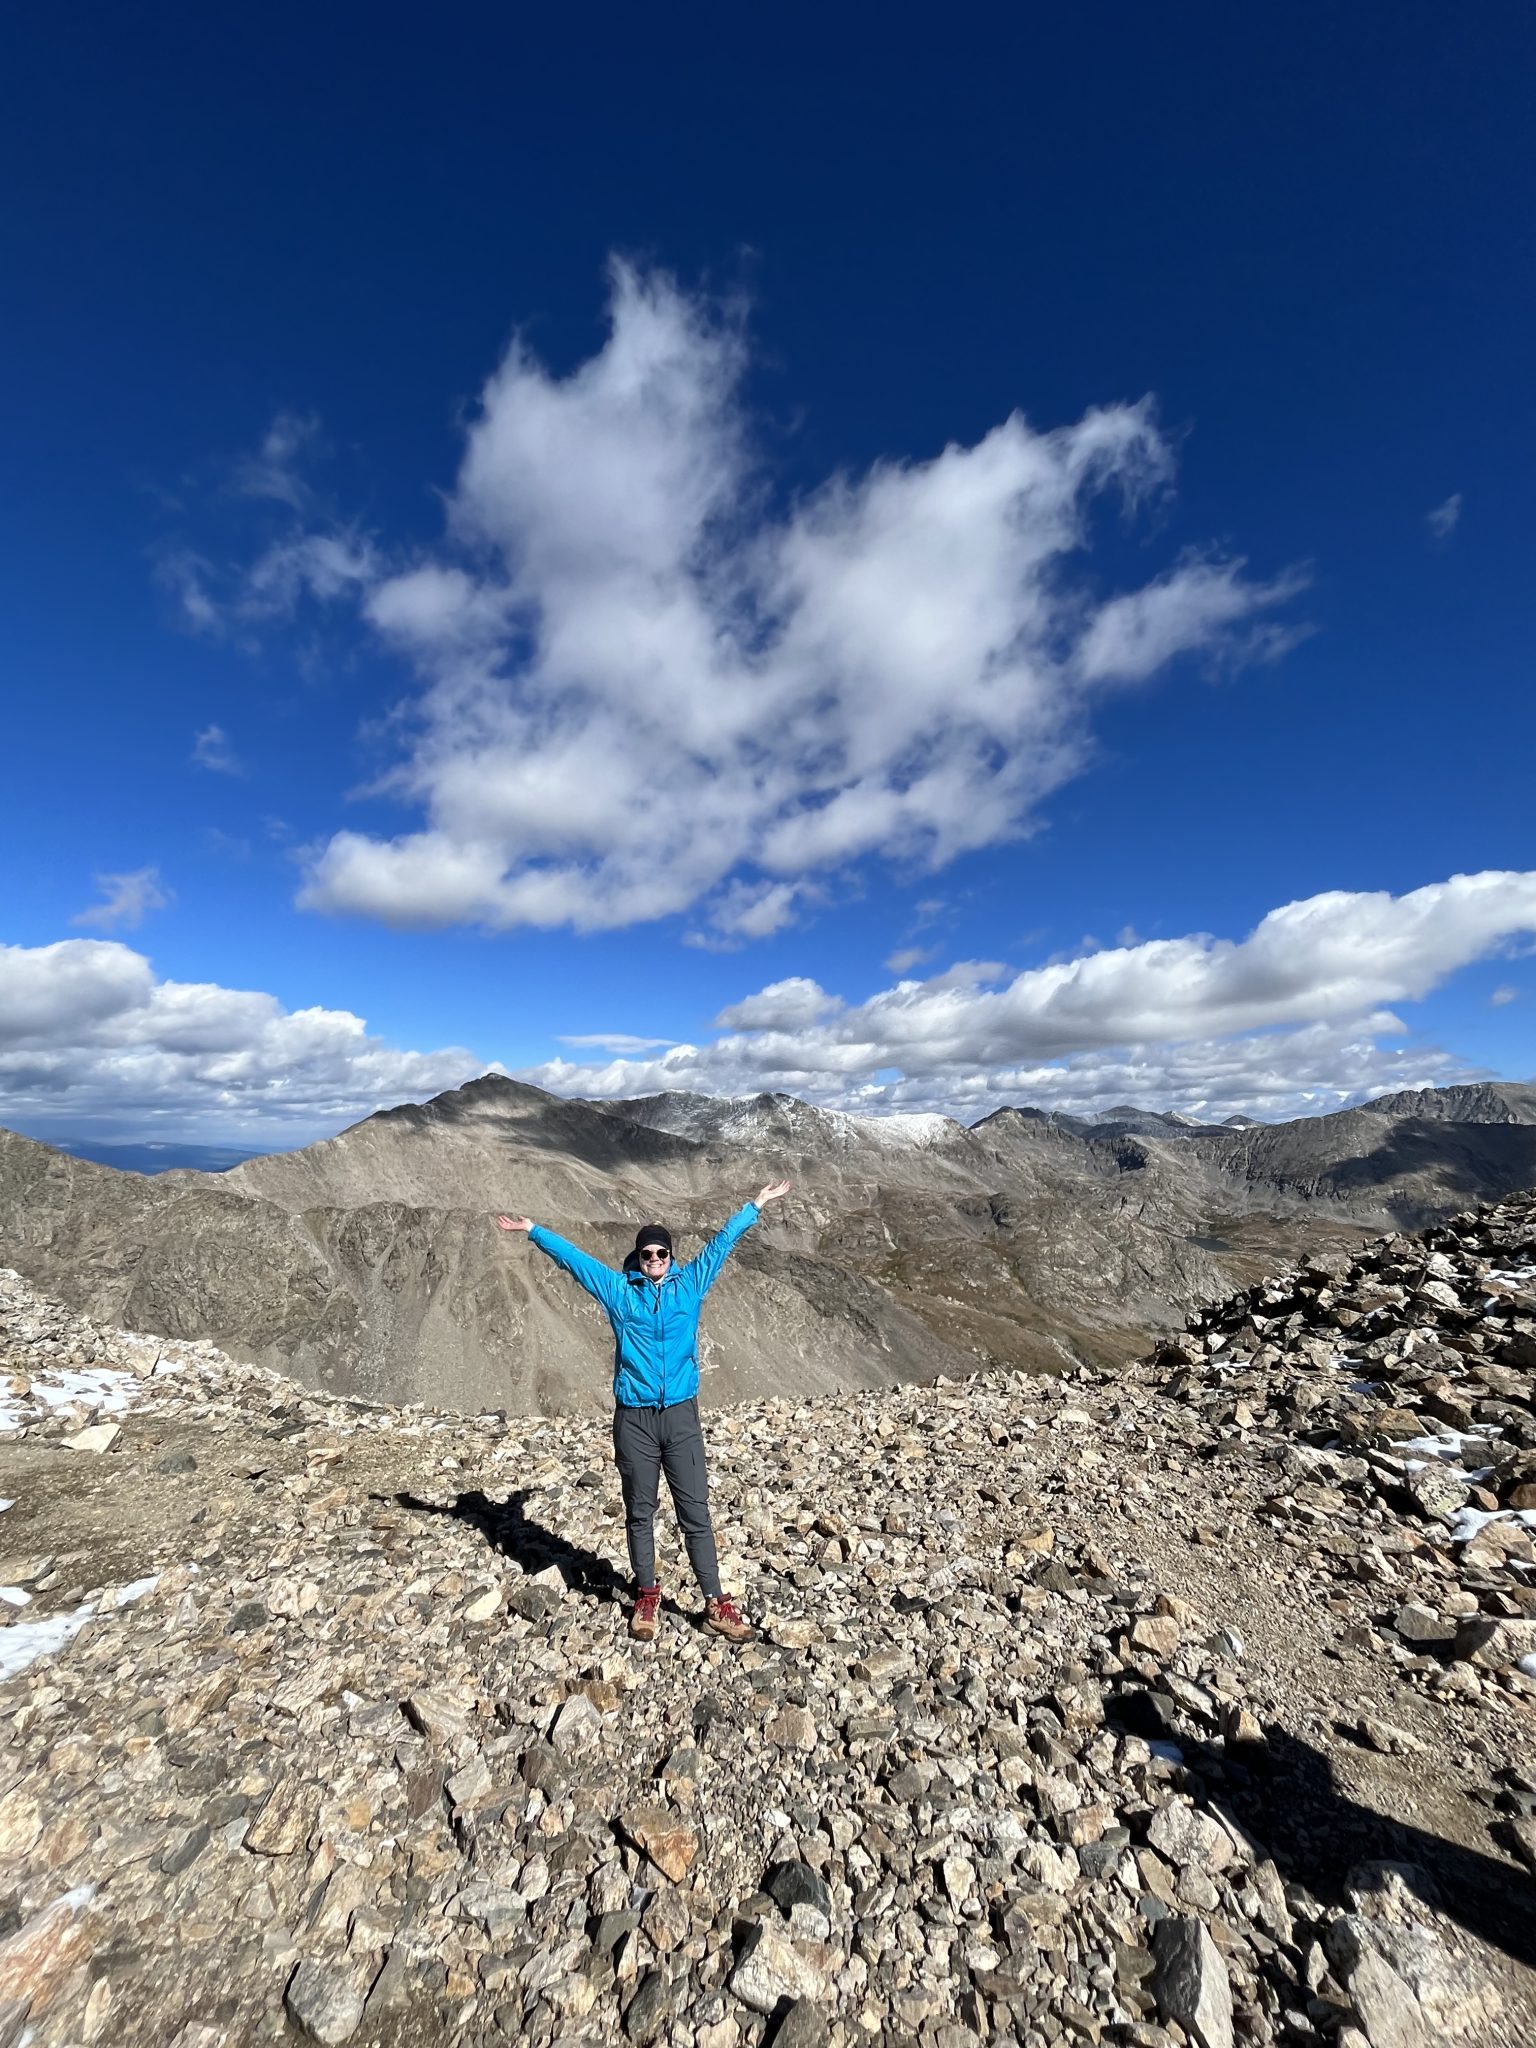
x=612, y=1041
x=127, y=900
x=905, y=958
x=211, y=749
x=229, y=845
x=1445, y=518
x=1503, y=995
x=1203, y=605
x=645, y=693
x=1291, y=1017
x=296, y=553
x=275, y=470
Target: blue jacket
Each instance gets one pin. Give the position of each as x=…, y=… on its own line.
x=655, y=1323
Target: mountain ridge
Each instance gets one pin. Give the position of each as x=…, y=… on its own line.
x=368, y=1262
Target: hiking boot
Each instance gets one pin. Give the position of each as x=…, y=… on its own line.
x=724, y=1617
x=646, y=1612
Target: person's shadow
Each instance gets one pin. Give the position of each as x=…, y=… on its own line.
x=1286, y=1797
x=507, y=1528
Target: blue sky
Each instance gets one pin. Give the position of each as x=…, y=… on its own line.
x=919, y=567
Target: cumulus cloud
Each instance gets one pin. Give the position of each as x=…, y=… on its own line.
x=211, y=749
x=87, y=1031
x=127, y=900
x=1445, y=518
x=1289, y=1017
x=783, y=1006
x=644, y=692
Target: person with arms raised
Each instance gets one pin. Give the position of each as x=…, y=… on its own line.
x=653, y=1305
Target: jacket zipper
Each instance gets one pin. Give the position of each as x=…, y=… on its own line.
x=662, y=1346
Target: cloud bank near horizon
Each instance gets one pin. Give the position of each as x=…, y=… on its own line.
x=89, y=1035
x=1294, y=1019
x=645, y=692
x=1286, y=1022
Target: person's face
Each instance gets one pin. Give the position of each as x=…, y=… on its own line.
x=654, y=1261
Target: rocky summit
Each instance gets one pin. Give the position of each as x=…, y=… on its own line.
x=1183, y=1706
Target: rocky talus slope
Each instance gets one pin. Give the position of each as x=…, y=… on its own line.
x=1186, y=1705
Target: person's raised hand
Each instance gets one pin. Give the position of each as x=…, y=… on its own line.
x=514, y=1223
x=772, y=1192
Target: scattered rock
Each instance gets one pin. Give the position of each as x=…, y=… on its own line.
x=376, y=1721
x=669, y=1844
x=771, y=1969
x=101, y=1436
x=1190, y=1982
x=324, y=2002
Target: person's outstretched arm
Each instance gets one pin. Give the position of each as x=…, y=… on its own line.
x=704, y=1268
x=600, y=1281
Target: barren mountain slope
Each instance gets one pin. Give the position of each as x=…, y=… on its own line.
x=1482, y=1102
x=1406, y=1169
x=369, y=1263
x=415, y=1303
x=490, y=1145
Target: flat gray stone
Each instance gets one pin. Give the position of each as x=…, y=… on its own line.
x=323, y=2002
x=1190, y=1983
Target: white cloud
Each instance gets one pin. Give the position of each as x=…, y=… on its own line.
x=88, y=1032
x=1445, y=518
x=783, y=1006
x=308, y=553
x=646, y=693
x=905, y=958
x=611, y=1041
x=752, y=910
x=1502, y=995
x=211, y=749
x=274, y=470
x=1200, y=605
x=320, y=565
x=69, y=986
x=1289, y=1017
x=187, y=576
x=128, y=900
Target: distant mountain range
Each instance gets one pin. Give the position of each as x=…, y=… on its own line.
x=910, y=1245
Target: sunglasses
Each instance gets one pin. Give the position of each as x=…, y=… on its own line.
x=655, y=1251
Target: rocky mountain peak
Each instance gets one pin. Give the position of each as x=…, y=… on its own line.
x=1483, y=1102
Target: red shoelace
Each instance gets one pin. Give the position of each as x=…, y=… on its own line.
x=726, y=1609
x=647, y=1602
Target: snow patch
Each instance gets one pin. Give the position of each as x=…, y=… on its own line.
x=1469, y=1522
x=25, y=1641
x=105, y=1388
x=1446, y=1444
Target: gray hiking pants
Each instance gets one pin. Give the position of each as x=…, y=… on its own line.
x=646, y=1443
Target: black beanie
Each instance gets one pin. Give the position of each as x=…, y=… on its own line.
x=652, y=1233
